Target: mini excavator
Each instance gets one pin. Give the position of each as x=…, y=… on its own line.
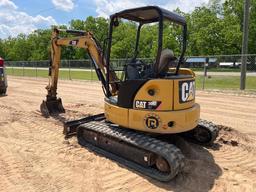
x=149, y=102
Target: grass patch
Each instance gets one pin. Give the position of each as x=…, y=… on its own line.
x=83, y=75
x=215, y=82
x=218, y=69
x=224, y=82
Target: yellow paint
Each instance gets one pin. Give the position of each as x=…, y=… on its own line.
x=163, y=92
x=116, y=114
x=184, y=116
x=184, y=120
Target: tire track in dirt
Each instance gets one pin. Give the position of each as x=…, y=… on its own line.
x=237, y=156
x=19, y=156
x=7, y=115
x=33, y=137
x=63, y=169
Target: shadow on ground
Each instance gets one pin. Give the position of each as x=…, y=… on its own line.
x=200, y=170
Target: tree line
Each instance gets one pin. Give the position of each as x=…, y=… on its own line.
x=213, y=29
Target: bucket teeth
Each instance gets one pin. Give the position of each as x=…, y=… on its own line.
x=51, y=107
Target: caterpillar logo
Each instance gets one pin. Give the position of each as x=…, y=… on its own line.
x=152, y=121
x=147, y=104
x=187, y=91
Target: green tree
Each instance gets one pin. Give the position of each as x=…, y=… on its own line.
x=204, y=32
x=21, y=49
x=39, y=42
x=124, y=38
x=215, y=28
x=2, y=51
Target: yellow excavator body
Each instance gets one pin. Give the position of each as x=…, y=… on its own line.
x=150, y=101
x=160, y=106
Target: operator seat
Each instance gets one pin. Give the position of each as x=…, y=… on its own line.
x=132, y=71
x=166, y=58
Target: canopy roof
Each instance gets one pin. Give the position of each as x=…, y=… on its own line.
x=150, y=14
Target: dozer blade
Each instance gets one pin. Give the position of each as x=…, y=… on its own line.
x=70, y=127
x=51, y=107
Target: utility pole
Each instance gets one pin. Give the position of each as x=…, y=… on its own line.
x=245, y=43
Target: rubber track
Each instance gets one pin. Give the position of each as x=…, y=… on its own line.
x=168, y=151
x=212, y=128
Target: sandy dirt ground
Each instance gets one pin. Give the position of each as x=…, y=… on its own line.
x=34, y=156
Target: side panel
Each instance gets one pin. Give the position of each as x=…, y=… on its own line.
x=162, y=96
x=116, y=114
x=127, y=91
x=162, y=106
x=164, y=121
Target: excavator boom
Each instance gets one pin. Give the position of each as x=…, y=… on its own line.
x=82, y=39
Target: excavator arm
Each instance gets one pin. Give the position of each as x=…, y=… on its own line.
x=84, y=40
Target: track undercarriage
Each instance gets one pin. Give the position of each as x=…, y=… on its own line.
x=144, y=153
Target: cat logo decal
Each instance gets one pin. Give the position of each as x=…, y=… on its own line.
x=187, y=91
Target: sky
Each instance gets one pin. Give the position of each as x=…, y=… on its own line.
x=24, y=16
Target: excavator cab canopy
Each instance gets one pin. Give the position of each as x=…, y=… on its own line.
x=147, y=15
x=150, y=14
x=142, y=16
